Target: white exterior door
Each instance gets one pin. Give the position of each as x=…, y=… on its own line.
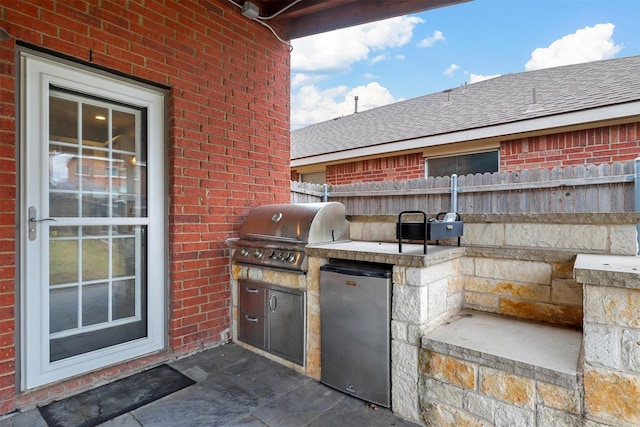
x=92, y=221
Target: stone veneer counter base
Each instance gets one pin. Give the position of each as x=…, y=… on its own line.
x=546, y=352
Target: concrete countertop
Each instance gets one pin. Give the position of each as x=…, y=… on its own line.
x=386, y=253
x=608, y=270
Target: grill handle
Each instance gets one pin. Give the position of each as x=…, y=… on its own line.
x=251, y=290
x=251, y=318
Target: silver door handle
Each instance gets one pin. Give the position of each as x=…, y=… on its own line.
x=33, y=221
x=251, y=290
x=251, y=318
x=273, y=303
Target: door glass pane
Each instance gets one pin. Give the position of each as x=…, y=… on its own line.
x=124, y=299
x=95, y=304
x=63, y=255
x=95, y=258
x=63, y=309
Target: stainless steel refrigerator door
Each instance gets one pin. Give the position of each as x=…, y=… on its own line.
x=356, y=336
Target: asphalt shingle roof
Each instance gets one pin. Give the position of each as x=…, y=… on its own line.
x=497, y=101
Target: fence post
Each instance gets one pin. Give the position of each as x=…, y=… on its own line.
x=325, y=193
x=454, y=193
x=636, y=192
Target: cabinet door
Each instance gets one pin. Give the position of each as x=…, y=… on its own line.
x=286, y=325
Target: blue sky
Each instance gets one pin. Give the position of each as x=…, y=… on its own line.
x=414, y=55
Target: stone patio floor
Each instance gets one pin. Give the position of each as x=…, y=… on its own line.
x=236, y=387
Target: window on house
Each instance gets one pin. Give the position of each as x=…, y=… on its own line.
x=463, y=164
x=314, y=177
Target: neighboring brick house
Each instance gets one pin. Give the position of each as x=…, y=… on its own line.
x=134, y=138
x=576, y=114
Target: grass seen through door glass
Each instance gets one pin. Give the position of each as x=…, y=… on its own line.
x=63, y=261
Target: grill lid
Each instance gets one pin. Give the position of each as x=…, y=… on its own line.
x=305, y=223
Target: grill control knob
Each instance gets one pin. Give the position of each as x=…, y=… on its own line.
x=273, y=255
x=244, y=252
x=258, y=253
x=291, y=257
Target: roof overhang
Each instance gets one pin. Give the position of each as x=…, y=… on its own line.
x=624, y=112
x=294, y=18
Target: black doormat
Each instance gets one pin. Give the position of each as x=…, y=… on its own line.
x=108, y=401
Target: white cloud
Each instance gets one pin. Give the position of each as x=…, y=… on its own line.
x=311, y=105
x=431, y=40
x=335, y=51
x=587, y=44
x=475, y=78
x=379, y=58
x=452, y=69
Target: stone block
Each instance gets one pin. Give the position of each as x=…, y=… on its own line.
x=612, y=396
x=511, y=416
x=631, y=350
x=405, y=360
x=467, y=266
x=614, y=306
x=378, y=232
x=601, y=346
x=513, y=389
x=355, y=230
x=410, y=303
x=566, y=291
x=623, y=238
x=484, y=302
x=478, y=405
x=514, y=270
x=448, y=369
x=399, y=275
x=556, y=314
x=519, y=290
x=437, y=296
x=431, y=389
x=415, y=333
x=399, y=330
x=416, y=276
x=556, y=397
x=404, y=397
x=559, y=236
x=437, y=414
x=313, y=355
x=562, y=270
x=548, y=417
x=455, y=302
x=484, y=234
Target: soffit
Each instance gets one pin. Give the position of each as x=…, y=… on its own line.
x=308, y=17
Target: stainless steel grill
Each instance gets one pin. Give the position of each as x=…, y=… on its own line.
x=275, y=235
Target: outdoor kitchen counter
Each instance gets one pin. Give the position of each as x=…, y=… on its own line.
x=386, y=253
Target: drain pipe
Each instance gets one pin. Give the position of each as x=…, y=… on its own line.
x=325, y=193
x=636, y=192
x=454, y=192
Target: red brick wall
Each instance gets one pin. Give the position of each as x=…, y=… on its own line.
x=396, y=168
x=592, y=146
x=228, y=148
x=607, y=144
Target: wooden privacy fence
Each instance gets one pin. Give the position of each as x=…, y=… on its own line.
x=573, y=189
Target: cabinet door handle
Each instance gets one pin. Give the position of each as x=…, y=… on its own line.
x=251, y=290
x=273, y=303
x=251, y=318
